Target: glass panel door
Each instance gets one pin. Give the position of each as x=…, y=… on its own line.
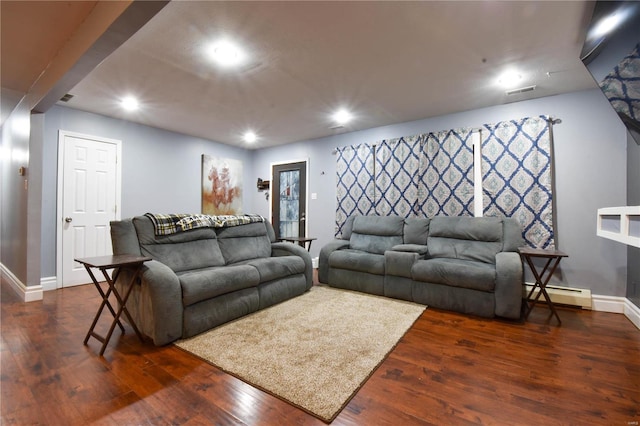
x=289, y=199
x=289, y=203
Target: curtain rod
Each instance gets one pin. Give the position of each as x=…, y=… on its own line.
x=550, y=120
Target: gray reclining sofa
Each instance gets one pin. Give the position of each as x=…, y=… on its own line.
x=201, y=278
x=464, y=264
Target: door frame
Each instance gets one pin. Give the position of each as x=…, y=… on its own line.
x=306, y=201
x=62, y=134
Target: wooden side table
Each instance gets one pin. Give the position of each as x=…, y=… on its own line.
x=553, y=258
x=302, y=241
x=104, y=263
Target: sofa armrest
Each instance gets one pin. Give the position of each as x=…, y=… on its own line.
x=509, y=281
x=399, y=263
x=159, y=309
x=323, y=260
x=288, y=249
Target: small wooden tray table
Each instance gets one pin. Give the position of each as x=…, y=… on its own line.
x=104, y=263
x=553, y=260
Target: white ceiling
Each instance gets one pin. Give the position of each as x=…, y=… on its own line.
x=389, y=62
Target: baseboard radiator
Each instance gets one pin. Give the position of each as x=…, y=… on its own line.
x=580, y=297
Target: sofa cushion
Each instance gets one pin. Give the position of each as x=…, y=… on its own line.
x=244, y=242
x=469, y=238
x=182, y=251
x=273, y=268
x=416, y=230
x=208, y=283
x=356, y=260
x=347, y=228
x=455, y=273
x=376, y=234
x=512, y=234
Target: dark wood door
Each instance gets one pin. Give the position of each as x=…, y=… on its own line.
x=289, y=199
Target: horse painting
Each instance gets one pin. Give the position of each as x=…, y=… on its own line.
x=221, y=186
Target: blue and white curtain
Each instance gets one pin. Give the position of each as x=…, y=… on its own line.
x=446, y=174
x=516, y=176
x=622, y=86
x=396, y=178
x=355, y=185
x=433, y=174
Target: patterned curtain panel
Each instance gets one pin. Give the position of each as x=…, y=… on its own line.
x=396, y=177
x=622, y=86
x=355, y=184
x=516, y=176
x=446, y=174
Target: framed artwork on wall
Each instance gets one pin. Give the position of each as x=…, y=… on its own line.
x=221, y=185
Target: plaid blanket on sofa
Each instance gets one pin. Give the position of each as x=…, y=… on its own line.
x=167, y=224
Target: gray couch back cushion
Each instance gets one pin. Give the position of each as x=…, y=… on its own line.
x=416, y=230
x=182, y=251
x=347, y=228
x=244, y=242
x=469, y=238
x=124, y=238
x=376, y=234
x=512, y=238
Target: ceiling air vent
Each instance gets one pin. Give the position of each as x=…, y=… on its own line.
x=521, y=90
x=66, y=98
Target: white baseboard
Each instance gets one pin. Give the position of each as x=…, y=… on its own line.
x=618, y=305
x=49, y=283
x=580, y=297
x=27, y=293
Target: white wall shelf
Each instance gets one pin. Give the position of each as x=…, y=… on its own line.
x=620, y=224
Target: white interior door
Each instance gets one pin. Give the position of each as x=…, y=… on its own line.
x=89, y=198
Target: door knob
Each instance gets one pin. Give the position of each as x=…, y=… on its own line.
x=67, y=219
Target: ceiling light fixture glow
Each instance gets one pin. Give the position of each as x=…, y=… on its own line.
x=608, y=24
x=509, y=79
x=226, y=53
x=342, y=116
x=250, y=137
x=129, y=103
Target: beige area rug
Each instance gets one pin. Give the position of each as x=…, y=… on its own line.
x=313, y=351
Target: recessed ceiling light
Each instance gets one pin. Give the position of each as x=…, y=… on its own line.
x=342, y=116
x=226, y=53
x=509, y=78
x=129, y=103
x=250, y=137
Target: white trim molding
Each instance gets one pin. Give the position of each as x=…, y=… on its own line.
x=27, y=293
x=49, y=283
x=618, y=305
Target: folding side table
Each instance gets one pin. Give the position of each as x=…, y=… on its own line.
x=117, y=262
x=553, y=258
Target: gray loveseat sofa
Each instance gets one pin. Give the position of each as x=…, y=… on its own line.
x=465, y=264
x=201, y=278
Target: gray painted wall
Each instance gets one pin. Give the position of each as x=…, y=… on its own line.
x=590, y=164
x=13, y=194
x=161, y=170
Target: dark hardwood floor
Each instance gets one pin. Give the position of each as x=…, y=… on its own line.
x=449, y=369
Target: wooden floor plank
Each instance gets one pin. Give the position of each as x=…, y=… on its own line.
x=448, y=369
